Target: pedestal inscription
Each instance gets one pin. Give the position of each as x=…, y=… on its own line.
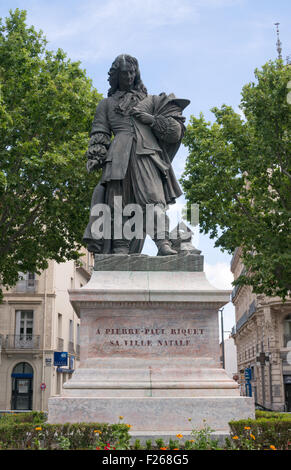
x=145, y=331
x=173, y=337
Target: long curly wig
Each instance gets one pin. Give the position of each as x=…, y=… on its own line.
x=114, y=72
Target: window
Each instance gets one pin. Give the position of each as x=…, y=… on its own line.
x=60, y=325
x=71, y=331
x=26, y=282
x=253, y=372
x=78, y=334
x=287, y=331
x=24, y=328
x=24, y=322
x=23, y=368
x=30, y=279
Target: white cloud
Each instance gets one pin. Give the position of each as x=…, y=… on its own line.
x=92, y=30
x=95, y=29
x=219, y=275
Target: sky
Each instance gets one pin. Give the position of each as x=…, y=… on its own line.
x=202, y=50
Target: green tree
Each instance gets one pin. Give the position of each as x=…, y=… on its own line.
x=239, y=172
x=47, y=104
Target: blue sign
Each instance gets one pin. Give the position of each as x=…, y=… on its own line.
x=65, y=370
x=248, y=374
x=60, y=358
x=248, y=389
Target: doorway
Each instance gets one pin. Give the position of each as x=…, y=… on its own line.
x=22, y=387
x=288, y=396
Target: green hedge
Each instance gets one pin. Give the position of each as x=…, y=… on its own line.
x=262, y=433
x=272, y=415
x=64, y=436
x=33, y=417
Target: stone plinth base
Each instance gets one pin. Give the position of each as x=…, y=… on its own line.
x=150, y=352
x=153, y=413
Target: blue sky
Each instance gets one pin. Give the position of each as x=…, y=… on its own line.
x=203, y=50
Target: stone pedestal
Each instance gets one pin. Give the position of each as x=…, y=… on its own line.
x=150, y=349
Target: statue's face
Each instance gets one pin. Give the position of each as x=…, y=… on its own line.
x=126, y=76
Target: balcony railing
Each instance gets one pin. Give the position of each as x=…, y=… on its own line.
x=22, y=342
x=26, y=285
x=247, y=314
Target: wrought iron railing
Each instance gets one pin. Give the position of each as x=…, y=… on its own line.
x=22, y=342
x=26, y=285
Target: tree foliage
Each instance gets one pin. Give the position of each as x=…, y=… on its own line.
x=47, y=104
x=239, y=172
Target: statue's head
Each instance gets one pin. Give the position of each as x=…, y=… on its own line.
x=124, y=74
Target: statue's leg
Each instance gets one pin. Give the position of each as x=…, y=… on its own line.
x=116, y=201
x=94, y=245
x=161, y=231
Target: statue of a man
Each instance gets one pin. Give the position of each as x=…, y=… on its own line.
x=134, y=139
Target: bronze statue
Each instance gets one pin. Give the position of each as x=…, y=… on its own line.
x=134, y=139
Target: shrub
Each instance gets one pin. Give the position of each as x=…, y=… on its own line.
x=33, y=417
x=137, y=445
x=59, y=436
x=272, y=415
x=261, y=434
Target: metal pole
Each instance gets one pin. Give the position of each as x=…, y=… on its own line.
x=222, y=337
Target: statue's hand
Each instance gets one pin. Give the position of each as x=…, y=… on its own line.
x=93, y=165
x=143, y=117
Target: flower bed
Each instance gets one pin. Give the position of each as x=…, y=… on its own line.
x=270, y=432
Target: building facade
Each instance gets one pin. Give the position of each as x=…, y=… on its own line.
x=262, y=336
x=37, y=321
x=228, y=357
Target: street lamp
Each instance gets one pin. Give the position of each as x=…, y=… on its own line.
x=222, y=336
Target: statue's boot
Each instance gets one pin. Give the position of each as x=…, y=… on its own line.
x=120, y=247
x=161, y=232
x=165, y=248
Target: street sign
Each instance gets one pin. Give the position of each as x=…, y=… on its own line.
x=248, y=373
x=60, y=358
